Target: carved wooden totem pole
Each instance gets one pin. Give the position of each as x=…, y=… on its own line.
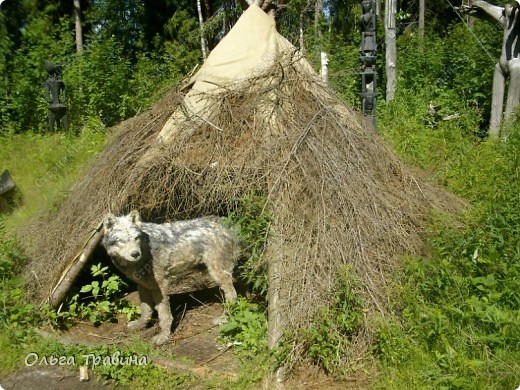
x=508, y=65
x=368, y=59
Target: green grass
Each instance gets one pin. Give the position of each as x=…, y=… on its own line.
x=44, y=166
x=456, y=312
x=12, y=355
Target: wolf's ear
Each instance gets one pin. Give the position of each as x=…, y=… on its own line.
x=109, y=221
x=135, y=217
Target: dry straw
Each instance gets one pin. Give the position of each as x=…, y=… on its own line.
x=338, y=195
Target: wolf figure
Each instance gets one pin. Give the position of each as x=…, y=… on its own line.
x=152, y=255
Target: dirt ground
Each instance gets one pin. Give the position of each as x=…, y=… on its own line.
x=51, y=378
x=194, y=348
x=193, y=345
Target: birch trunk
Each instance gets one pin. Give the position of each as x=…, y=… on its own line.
x=324, y=67
x=79, y=30
x=378, y=8
x=302, y=25
x=318, y=10
x=391, y=48
x=203, y=45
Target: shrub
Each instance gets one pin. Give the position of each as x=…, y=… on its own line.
x=460, y=306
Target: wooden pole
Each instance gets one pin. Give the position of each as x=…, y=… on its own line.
x=391, y=48
x=70, y=275
x=275, y=321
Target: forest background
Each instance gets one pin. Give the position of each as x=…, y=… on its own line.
x=455, y=320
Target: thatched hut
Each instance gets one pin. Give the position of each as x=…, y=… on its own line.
x=255, y=119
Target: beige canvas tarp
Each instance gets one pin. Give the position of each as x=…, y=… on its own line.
x=251, y=47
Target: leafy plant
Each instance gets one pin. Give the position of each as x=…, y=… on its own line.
x=246, y=328
x=10, y=255
x=99, y=301
x=391, y=343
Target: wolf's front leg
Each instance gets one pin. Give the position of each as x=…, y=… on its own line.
x=146, y=309
x=165, y=319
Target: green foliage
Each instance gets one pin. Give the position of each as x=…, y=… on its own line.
x=251, y=221
x=454, y=71
x=99, y=301
x=96, y=81
x=103, y=82
x=23, y=102
x=114, y=77
x=329, y=337
x=10, y=255
x=246, y=328
x=344, y=71
x=16, y=314
x=460, y=306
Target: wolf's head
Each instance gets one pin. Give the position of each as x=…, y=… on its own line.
x=123, y=237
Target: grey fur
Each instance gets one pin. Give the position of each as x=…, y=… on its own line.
x=152, y=255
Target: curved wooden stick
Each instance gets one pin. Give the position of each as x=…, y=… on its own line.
x=71, y=273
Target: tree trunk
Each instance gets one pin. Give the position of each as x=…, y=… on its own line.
x=470, y=20
x=302, y=25
x=421, y=19
x=391, y=48
x=79, y=31
x=203, y=45
x=497, y=102
x=318, y=9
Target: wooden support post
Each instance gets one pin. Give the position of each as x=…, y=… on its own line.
x=275, y=321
